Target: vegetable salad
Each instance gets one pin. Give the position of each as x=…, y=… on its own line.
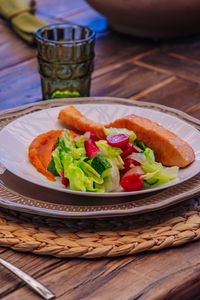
x=88, y=164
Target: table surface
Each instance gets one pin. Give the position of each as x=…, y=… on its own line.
x=166, y=72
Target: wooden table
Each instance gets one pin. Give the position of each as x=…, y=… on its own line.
x=166, y=72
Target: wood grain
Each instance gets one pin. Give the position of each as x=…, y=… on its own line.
x=183, y=68
x=166, y=72
x=177, y=93
x=13, y=49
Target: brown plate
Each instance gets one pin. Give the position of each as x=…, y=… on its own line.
x=21, y=195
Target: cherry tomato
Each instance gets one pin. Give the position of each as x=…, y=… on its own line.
x=118, y=140
x=128, y=149
x=129, y=163
x=133, y=182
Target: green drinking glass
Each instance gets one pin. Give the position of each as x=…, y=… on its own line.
x=66, y=60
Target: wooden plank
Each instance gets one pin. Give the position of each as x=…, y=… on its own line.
x=28, y=263
x=73, y=275
x=153, y=88
x=113, y=48
x=178, y=93
x=183, y=68
x=13, y=49
x=125, y=81
x=21, y=89
x=143, y=277
x=186, y=47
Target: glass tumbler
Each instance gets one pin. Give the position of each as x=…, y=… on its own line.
x=65, y=56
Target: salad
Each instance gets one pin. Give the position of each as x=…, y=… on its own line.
x=89, y=164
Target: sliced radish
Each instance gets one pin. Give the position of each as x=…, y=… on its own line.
x=64, y=180
x=139, y=157
x=91, y=135
x=130, y=163
x=91, y=148
x=136, y=149
x=135, y=170
x=127, y=150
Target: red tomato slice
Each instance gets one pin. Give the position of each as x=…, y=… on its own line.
x=118, y=140
x=132, y=182
x=127, y=150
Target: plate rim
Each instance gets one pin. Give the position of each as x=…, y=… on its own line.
x=26, y=109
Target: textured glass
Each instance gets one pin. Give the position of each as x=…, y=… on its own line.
x=65, y=56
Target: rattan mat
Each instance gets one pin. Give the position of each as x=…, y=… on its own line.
x=105, y=237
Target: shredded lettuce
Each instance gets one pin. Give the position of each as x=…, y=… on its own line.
x=69, y=155
x=156, y=173
x=57, y=161
x=111, y=153
x=66, y=141
x=111, y=182
x=108, y=150
x=112, y=131
x=90, y=172
x=80, y=141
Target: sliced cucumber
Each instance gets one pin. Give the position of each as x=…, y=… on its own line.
x=152, y=181
x=141, y=145
x=101, y=165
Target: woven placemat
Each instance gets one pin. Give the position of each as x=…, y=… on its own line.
x=105, y=237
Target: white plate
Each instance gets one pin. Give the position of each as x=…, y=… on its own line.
x=17, y=135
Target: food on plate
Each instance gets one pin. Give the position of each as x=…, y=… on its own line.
x=72, y=117
x=102, y=159
x=40, y=151
x=169, y=149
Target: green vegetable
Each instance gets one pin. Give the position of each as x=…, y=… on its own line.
x=152, y=181
x=141, y=145
x=148, y=162
x=111, y=182
x=76, y=178
x=108, y=150
x=57, y=161
x=80, y=141
x=113, y=131
x=155, y=173
x=90, y=172
x=101, y=173
x=77, y=153
x=67, y=160
x=51, y=167
x=168, y=174
x=101, y=165
x=57, y=143
x=66, y=141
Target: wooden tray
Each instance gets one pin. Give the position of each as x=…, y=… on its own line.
x=17, y=194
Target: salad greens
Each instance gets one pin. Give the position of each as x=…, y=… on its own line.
x=112, y=131
x=102, y=172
